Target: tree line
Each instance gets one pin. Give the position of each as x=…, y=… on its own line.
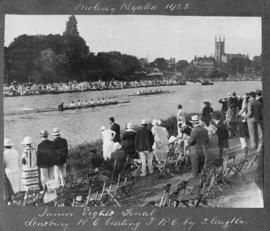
x=66, y=57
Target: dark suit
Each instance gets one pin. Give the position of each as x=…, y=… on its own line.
x=45, y=154
x=116, y=128
x=255, y=129
x=199, y=143
x=128, y=138
x=46, y=161
x=223, y=136
x=61, y=150
x=144, y=139
x=206, y=114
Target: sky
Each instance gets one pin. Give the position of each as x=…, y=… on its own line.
x=180, y=37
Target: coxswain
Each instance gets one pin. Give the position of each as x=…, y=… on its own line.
x=92, y=102
x=103, y=101
x=61, y=107
x=85, y=102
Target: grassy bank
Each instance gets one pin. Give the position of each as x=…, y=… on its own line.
x=80, y=155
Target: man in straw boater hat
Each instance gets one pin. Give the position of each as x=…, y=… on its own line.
x=60, y=148
x=198, y=143
x=143, y=143
x=12, y=164
x=45, y=158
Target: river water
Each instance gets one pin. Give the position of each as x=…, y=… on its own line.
x=83, y=125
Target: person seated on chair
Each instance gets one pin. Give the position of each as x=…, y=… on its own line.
x=118, y=159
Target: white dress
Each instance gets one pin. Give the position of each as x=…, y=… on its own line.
x=12, y=162
x=161, y=144
x=107, y=138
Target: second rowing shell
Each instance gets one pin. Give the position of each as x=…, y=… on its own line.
x=151, y=93
x=40, y=110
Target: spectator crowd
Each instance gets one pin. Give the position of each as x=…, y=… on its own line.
x=203, y=135
x=16, y=89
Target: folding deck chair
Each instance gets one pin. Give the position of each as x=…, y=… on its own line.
x=176, y=196
x=195, y=190
x=160, y=165
x=34, y=197
x=18, y=199
x=164, y=199
x=165, y=196
x=176, y=151
x=82, y=200
x=136, y=164
x=111, y=191
x=65, y=196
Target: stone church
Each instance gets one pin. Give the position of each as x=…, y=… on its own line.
x=220, y=55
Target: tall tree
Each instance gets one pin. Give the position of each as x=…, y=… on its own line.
x=71, y=27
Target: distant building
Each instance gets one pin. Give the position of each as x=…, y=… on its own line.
x=204, y=63
x=220, y=55
x=171, y=63
x=143, y=62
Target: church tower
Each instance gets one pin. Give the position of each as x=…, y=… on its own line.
x=219, y=49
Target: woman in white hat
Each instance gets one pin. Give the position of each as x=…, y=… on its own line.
x=107, y=136
x=161, y=142
x=12, y=165
x=30, y=173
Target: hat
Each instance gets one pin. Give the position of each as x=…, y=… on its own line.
x=44, y=133
x=56, y=132
x=143, y=122
x=211, y=128
x=102, y=128
x=258, y=91
x=27, y=140
x=172, y=139
x=155, y=122
x=130, y=126
x=195, y=119
x=8, y=142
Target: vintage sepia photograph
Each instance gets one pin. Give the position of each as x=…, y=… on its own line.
x=124, y=110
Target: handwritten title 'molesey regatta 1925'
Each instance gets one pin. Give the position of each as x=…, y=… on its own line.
x=132, y=8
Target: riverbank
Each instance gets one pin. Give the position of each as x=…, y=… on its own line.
x=240, y=192
x=80, y=155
